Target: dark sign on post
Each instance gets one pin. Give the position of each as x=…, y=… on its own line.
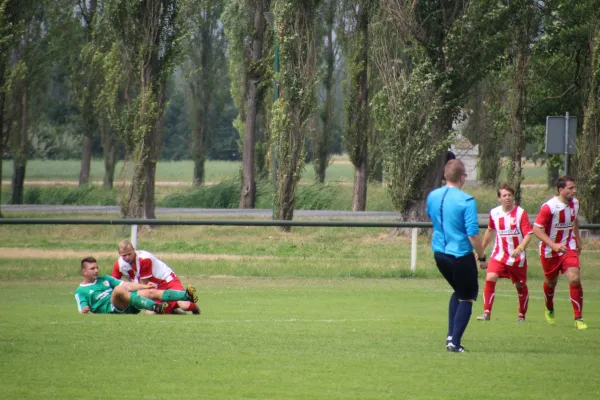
x=555, y=135
x=560, y=137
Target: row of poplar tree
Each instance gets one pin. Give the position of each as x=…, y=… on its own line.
x=394, y=76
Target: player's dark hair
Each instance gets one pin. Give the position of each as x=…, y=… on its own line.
x=562, y=181
x=505, y=186
x=89, y=259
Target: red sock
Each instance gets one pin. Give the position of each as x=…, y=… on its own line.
x=549, y=296
x=523, y=299
x=488, y=296
x=191, y=307
x=172, y=305
x=576, y=294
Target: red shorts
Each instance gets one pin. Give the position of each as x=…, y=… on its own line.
x=516, y=274
x=175, y=284
x=555, y=265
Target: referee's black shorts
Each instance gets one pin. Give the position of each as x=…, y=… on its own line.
x=461, y=274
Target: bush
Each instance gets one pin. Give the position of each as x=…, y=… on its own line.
x=62, y=195
x=223, y=195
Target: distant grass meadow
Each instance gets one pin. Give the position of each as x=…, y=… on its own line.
x=318, y=313
x=223, y=188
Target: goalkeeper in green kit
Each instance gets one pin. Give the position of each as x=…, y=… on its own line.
x=107, y=295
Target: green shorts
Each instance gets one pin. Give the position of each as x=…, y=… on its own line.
x=129, y=310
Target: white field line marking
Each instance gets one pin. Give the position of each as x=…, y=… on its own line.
x=195, y=320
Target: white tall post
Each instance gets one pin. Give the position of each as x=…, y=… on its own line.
x=413, y=249
x=134, y=229
x=566, y=160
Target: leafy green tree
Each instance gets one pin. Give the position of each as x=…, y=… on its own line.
x=525, y=30
x=72, y=29
x=562, y=77
x=245, y=27
x=293, y=112
x=321, y=136
x=146, y=48
x=357, y=17
x=487, y=124
x=85, y=85
x=431, y=54
x=27, y=79
x=7, y=35
x=588, y=144
x=205, y=70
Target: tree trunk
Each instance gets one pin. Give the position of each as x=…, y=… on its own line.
x=248, y=193
x=149, y=187
x=287, y=195
x=18, y=180
x=86, y=157
x=154, y=145
x=198, y=154
x=2, y=137
x=322, y=137
x=359, y=193
x=133, y=206
x=110, y=153
x=357, y=109
x=521, y=64
x=20, y=149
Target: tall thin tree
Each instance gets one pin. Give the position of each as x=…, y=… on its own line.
x=293, y=111
x=204, y=68
x=357, y=15
x=245, y=26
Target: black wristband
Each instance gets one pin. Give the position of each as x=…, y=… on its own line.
x=481, y=259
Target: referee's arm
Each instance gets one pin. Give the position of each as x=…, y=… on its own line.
x=472, y=227
x=477, y=245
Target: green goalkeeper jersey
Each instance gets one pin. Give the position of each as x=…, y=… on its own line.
x=97, y=295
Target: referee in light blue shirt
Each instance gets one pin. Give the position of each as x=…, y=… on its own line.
x=455, y=235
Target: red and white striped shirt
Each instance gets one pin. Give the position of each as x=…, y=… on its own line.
x=147, y=265
x=557, y=219
x=511, y=228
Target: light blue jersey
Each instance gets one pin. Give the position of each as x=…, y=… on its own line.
x=454, y=217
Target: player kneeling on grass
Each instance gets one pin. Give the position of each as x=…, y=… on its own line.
x=144, y=267
x=107, y=295
x=508, y=260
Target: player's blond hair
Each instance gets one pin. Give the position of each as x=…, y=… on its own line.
x=125, y=244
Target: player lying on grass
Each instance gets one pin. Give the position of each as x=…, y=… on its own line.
x=144, y=267
x=107, y=295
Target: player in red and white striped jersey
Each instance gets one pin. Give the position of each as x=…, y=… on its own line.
x=143, y=267
x=513, y=232
x=558, y=229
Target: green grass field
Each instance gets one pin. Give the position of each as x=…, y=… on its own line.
x=318, y=313
x=265, y=338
